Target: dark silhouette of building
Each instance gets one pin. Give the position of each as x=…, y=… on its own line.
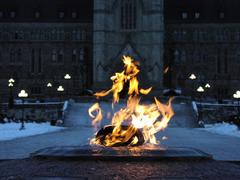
x=42, y=40
x=202, y=37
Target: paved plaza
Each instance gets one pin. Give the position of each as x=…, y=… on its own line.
x=181, y=133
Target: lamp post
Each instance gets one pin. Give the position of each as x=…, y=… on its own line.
x=11, y=82
x=60, y=89
x=23, y=94
x=207, y=87
x=192, y=77
x=237, y=96
x=10, y=99
x=67, y=77
x=49, y=86
x=200, y=90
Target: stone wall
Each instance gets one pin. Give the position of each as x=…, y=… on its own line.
x=210, y=51
x=145, y=40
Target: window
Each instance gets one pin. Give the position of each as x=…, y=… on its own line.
x=61, y=15
x=197, y=15
x=37, y=14
x=221, y=15
x=74, y=15
x=74, y=55
x=183, y=56
x=12, y=14
x=54, y=55
x=184, y=15
x=128, y=14
x=226, y=61
x=81, y=55
x=219, y=67
x=12, y=56
x=1, y=14
x=32, y=61
x=176, y=56
x=60, y=56
x=40, y=61
x=19, y=55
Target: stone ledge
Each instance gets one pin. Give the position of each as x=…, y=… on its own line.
x=102, y=153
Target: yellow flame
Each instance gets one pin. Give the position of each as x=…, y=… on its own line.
x=150, y=119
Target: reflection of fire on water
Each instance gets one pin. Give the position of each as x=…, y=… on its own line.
x=136, y=123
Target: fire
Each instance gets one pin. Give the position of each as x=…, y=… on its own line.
x=136, y=123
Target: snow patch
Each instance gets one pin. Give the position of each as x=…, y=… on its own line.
x=223, y=128
x=11, y=131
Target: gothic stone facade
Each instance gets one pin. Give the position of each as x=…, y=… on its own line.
x=128, y=27
x=202, y=37
x=36, y=54
x=41, y=41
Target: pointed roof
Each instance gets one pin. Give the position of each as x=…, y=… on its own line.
x=128, y=50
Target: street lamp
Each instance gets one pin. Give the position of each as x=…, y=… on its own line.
x=60, y=89
x=23, y=94
x=11, y=80
x=192, y=77
x=200, y=90
x=49, y=86
x=67, y=77
x=207, y=86
x=237, y=96
x=10, y=99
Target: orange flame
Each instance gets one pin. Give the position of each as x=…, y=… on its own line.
x=150, y=119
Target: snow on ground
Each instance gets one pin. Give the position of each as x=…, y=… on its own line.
x=11, y=131
x=223, y=128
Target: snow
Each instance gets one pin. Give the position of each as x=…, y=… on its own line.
x=11, y=131
x=65, y=105
x=195, y=108
x=223, y=128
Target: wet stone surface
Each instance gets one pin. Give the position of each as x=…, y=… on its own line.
x=40, y=169
x=144, y=152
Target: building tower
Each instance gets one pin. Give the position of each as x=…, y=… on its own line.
x=128, y=27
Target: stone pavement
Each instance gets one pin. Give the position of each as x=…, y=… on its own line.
x=220, y=146
x=34, y=169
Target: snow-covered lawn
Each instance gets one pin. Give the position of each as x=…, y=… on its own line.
x=223, y=128
x=11, y=131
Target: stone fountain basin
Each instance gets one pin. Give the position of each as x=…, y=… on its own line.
x=88, y=152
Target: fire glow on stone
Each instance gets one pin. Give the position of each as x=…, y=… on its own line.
x=130, y=123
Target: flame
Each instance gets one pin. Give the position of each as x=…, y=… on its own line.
x=96, y=118
x=149, y=119
x=166, y=70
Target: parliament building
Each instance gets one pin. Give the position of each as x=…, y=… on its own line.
x=43, y=40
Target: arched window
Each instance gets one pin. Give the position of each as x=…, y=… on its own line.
x=60, y=56
x=19, y=54
x=81, y=55
x=12, y=55
x=54, y=55
x=128, y=14
x=183, y=56
x=176, y=56
x=74, y=55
